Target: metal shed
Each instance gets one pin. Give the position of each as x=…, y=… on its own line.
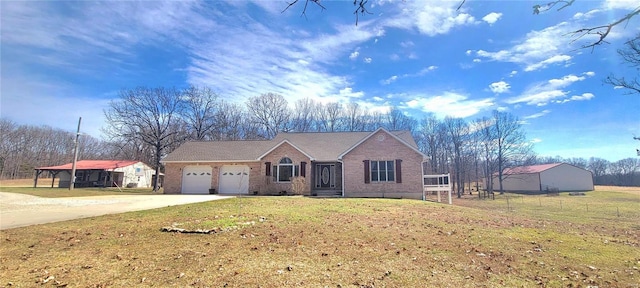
x=546, y=177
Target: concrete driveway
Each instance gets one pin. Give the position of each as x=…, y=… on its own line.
x=18, y=210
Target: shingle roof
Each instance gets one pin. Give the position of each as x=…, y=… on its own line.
x=207, y=151
x=530, y=169
x=321, y=146
x=92, y=165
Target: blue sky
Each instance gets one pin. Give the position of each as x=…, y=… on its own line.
x=64, y=60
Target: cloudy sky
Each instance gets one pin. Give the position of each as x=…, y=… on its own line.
x=64, y=60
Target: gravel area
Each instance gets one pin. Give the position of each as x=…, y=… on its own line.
x=18, y=210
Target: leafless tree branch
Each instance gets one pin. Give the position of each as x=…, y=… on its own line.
x=542, y=8
x=306, y=4
x=602, y=31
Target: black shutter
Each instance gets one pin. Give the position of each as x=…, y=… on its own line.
x=275, y=173
x=267, y=168
x=398, y=171
x=367, y=174
x=303, y=169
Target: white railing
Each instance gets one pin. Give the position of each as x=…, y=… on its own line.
x=437, y=183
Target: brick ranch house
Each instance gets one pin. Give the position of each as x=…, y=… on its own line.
x=349, y=164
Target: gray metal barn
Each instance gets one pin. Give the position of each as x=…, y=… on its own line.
x=546, y=177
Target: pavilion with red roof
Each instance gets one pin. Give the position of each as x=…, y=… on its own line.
x=101, y=173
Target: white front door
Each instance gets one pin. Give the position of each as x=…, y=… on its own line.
x=196, y=179
x=234, y=179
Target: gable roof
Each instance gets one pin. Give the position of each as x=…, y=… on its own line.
x=318, y=146
x=414, y=146
x=530, y=169
x=287, y=142
x=92, y=165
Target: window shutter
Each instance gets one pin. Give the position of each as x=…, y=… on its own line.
x=267, y=168
x=367, y=174
x=398, y=170
x=303, y=169
x=275, y=173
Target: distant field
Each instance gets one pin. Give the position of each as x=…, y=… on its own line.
x=42, y=182
x=513, y=241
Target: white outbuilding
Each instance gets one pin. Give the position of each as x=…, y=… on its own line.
x=546, y=177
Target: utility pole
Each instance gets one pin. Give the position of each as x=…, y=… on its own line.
x=75, y=158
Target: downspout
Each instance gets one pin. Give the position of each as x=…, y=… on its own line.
x=342, y=173
x=424, y=198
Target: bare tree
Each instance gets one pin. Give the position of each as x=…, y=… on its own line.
x=329, y=115
x=271, y=112
x=396, y=120
x=630, y=55
x=229, y=119
x=354, y=117
x=149, y=115
x=304, y=115
x=431, y=142
x=510, y=143
x=199, y=112
x=598, y=168
x=457, y=134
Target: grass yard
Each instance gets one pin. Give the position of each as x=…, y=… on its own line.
x=317, y=242
x=25, y=186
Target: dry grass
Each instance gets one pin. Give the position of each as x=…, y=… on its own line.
x=25, y=186
x=331, y=242
x=42, y=182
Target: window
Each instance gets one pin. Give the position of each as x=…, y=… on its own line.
x=382, y=171
x=285, y=170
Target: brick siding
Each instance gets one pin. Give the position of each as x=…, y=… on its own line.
x=388, y=149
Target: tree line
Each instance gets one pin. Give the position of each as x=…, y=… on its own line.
x=146, y=124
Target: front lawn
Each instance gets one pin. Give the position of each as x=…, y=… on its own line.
x=315, y=242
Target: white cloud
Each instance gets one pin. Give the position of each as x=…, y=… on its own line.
x=492, y=17
x=407, y=44
x=439, y=17
x=450, y=104
x=469, y=52
x=551, y=91
x=367, y=60
x=513, y=73
x=476, y=60
x=547, y=62
x=538, y=115
x=584, y=96
x=499, y=87
x=354, y=54
x=537, y=50
x=621, y=4
x=390, y=80
x=422, y=72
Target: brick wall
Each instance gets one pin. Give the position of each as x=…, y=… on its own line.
x=383, y=146
x=284, y=150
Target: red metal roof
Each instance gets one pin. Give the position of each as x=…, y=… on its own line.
x=92, y=165
x=529, y=169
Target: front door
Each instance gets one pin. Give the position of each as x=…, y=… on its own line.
x=325, y=175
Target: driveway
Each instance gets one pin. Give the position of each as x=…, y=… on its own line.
x=18, y=210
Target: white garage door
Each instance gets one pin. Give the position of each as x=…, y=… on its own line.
x=196, y=179
x=234, y=179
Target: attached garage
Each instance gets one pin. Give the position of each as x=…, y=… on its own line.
x=234, y=179
x=546, y=177
x=196, y=179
